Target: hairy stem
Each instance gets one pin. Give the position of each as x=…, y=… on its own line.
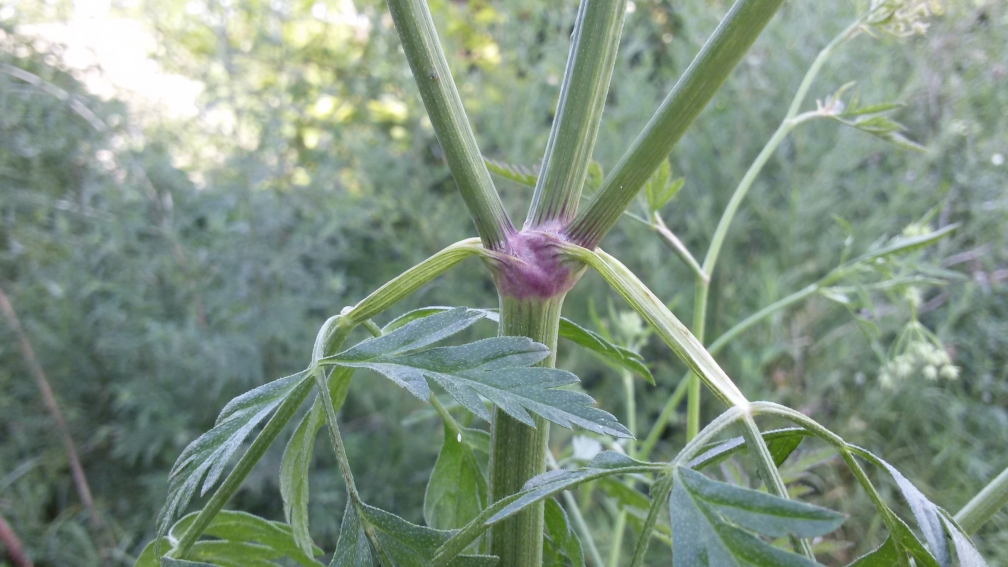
x=517, y=451
x=426, y=59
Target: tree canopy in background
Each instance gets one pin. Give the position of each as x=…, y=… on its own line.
x=160, y=266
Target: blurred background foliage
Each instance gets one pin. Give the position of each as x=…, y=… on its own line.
x=161, y=265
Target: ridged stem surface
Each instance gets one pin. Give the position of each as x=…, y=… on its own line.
x=517, y=451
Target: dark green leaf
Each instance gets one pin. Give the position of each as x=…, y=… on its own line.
x=561, y=546
x=210, y=452
x=604, y=464
x=703, y=512
x=609, y=352
x=352, y=549
x=410, y=545
x=520, y=174
x=456, y=492
x=294, y=470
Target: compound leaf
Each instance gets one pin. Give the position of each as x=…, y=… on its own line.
x=210, y=452
x=409, y=545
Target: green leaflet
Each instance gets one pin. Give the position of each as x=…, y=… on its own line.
x=780, y=442
x=457, y=491
x=240, y=539
x=296, y=462
x=561, y=546
x=660, y=187
x=519, y=174
x=210, y=452
x=884, y=556
x=594, y=342
x=545, y=485
x=402, y=544
x=932, y=520
x=294, y=469
x=606, y=350
x=352, y=549
x=498, y=369
x=710, y=520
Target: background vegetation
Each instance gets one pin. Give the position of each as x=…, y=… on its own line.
x=161, y=266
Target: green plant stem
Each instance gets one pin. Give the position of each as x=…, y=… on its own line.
x=517, y=451
x=582, y=98
x=751, y=320
x=335, y=437
x=673, y=243
x=419, y=38
x=985, y=504
x=652, y=437
x=578, y=518
x=768, y=471
x=708, y=71
x=700, y=294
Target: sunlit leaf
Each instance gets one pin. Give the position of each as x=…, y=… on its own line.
x=967, y=553
x=520, y=174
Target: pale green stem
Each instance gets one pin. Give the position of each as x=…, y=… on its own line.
x=582, y=99
x=700, y=294
x=705, y=75
x=452, y=426
x=336, y=438
x=768, y=470
x=992, y=498
x=517, y=451
x=423, y=50
x=672, y=241
x=631, y=412
x=578, y=519
x=751, y=320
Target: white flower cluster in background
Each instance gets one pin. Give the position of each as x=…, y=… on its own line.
x=918, y=353
x=903, y=18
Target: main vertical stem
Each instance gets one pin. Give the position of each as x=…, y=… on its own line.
x=517, y=451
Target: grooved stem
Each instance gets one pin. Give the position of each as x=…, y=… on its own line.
x=517, y=451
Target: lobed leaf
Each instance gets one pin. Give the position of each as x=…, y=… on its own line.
x=210, y=452
x=780, y=442
x=497, y=369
